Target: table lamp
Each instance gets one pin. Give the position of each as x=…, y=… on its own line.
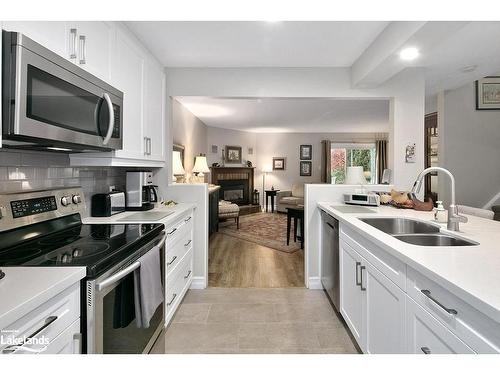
x=355, y=176
x=267, y=169
x=177, y=168
x=201, y=167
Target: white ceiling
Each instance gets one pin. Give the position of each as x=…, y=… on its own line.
x=257, y=44
x=302, y=115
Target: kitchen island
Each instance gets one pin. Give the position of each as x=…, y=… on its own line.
x=434, y=278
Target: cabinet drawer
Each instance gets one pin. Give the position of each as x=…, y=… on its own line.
x=177, y=284
x=174, y=231
x=68, y=342
x=47, y=321
x=473, y=327
x=175, y=250
x=425, y=335
x=391, y=267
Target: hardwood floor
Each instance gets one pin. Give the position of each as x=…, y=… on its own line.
x=235, y=263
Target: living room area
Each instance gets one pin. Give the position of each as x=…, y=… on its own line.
x=257, y=154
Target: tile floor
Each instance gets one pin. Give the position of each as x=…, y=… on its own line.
x=251, y=320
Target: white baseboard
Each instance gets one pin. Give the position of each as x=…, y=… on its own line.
x=198, y=282
x=314, y=283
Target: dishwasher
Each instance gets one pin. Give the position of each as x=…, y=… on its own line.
x=330, y=275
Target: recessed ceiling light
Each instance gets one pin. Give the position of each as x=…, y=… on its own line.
x=409, y=53
x=468, y=69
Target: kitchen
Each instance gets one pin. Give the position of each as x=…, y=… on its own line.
x=87, y=202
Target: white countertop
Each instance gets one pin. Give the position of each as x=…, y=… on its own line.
x=470, y=272
x=23, y=289
x=176, y=211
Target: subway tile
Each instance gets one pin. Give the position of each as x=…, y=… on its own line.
x=4, y=176
x=8, y=158
x=21, y=173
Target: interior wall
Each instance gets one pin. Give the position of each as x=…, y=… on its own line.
x=189, y=131
x=470, y=147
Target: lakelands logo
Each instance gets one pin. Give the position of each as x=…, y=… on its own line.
x=10, y=343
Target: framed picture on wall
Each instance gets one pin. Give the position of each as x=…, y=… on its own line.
x=488, y=93
x=306, y=152
x=305, y=168
x=279, y=164
x=233, y=154
x=180, y=148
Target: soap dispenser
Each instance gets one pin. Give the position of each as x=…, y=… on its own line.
x=440, y=215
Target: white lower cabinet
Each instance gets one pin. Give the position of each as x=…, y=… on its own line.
x=372, y=305
x=383, y=312
x=390, y=307
x=425, y=335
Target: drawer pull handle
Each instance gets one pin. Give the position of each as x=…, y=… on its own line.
x=186, y=220
x=189, y=273
x=12, y=348
x=172, y=261
x=172, y=231
x=357, y=273
x=361, y=278
x=428, y=294
x=187, y=243
x=172, y=300
x=425, y=350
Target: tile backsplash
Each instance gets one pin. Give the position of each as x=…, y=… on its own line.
x=27, y=170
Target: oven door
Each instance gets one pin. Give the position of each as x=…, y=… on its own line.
x=54, y=103
x=106, y=335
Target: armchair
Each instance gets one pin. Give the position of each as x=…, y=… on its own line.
x=290, y=198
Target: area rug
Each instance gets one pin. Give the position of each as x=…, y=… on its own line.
x=263, y=228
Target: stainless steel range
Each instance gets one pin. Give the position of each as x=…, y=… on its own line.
x=44, y=228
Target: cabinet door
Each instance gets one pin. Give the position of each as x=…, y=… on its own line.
x=154, y=104
x=383, y=313
x=425, y=335
x=350, y=291
x=50, y=34
x=95, y=56
x=127, y=74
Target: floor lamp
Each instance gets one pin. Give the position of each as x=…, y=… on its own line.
x=265, y=171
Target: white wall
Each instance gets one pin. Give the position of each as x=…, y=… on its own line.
x=470, y=147
x=406, y=92
x=228, y=137
x=189, y=131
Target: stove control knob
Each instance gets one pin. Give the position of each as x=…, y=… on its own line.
x=77, y=199
x=66, y=201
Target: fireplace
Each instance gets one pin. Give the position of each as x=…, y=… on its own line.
x=236, y=184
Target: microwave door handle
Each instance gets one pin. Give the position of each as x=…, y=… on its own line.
x=111, y=119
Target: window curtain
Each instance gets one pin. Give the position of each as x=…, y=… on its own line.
x=326, y=161
x=381, y=147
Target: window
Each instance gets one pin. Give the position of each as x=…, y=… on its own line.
x=353, y=155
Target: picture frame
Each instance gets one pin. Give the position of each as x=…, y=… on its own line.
x=279, y=164
x=488, y=93
x=233, y=155
x=215, y=149
x=305, y=152
x=305, y=168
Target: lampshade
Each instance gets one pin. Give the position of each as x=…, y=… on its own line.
x=355, y=176
x=267, y=169
x=200, y=165
x=177, y=168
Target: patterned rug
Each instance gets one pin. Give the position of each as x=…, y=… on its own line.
x=266, y=229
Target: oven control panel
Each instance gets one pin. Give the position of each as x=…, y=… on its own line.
x=28, y=207
x=33, y=206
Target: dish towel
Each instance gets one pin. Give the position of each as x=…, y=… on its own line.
x=148, y=287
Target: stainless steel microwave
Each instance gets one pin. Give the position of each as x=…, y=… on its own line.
x=50, y=103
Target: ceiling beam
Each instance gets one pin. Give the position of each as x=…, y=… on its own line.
x=380, y=61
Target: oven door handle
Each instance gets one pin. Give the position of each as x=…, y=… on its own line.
x=111, y=119
x=124, y=272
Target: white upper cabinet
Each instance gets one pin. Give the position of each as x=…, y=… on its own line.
x=92, y=43
x=127, y=74
x=50, y=34
x=154, y=111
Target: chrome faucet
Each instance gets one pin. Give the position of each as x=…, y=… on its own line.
x=453, y=217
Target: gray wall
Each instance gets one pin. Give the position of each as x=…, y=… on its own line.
x=25, y=170
x=189, y=131
x=470, y=146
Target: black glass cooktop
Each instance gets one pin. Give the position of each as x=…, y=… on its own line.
x=70, y=243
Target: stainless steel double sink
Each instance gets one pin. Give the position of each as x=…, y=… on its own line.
x=415, y=232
